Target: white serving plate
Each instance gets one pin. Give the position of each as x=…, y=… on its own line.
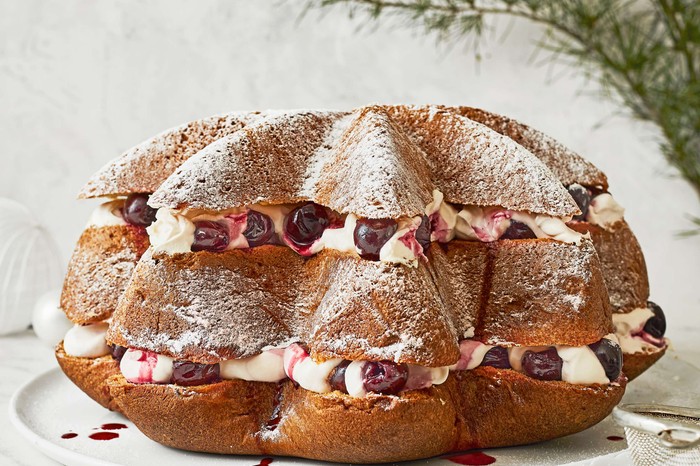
x=49, y=406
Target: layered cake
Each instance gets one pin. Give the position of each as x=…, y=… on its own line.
x=318, y=284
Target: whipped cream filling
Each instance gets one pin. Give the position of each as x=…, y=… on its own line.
x=402, y=247
x=303, y=370
x=443, y=219
x=86, y=341
x=267, y=366
x=173, y=231
x=488, y=224
x=604, y=211
x=312, y=375
x=353, y=379
x=107, y=214
x=580, y=364
x=629, y=330
x=140, y=366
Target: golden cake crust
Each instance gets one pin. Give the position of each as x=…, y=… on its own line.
x=90, y=375
x=482, y=408
x=99, y=270
x=624, y=268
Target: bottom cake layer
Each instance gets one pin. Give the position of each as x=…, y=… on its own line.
x=90, y=375
x=482, y=408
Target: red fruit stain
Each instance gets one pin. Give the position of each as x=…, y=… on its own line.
x=113, y=426
x=476, y=458
x=104, y=435
x=69, y=435
x=265, y=462
x=615, y=438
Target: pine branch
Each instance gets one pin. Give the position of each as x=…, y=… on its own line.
x=646, y=54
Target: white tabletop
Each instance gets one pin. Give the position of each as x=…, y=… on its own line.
x=23, y=356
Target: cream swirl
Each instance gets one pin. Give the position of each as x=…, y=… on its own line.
x=140, y=366
x=581, y=366
x=605, y=211
x=402, y=247
x=267, y=366
x=86, y=341
x=171, y=232
x=107, y=214
x=545, y=226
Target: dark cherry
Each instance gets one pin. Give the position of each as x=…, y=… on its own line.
x=117, y=351
x=371, y=234
x=385, y=377
x=337, y=377
x=259, y=228
x=191, y=373
x=609, y=354
x=210, y=236
x=656, y=325
x=423, y=233
x=582, y=196
x=543, y=365
x=136, y=210
x=306, y=224
x=518, y=230
x=496, y=357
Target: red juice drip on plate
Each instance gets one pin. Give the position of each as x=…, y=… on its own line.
x=476, y=458
x=113, y=426
x=265, y=462
x=615, y=438
x=69, y=435
x=104, y=435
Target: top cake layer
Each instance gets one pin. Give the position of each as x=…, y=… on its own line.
x=283, y=157
x=567, y=165
x=157, y=158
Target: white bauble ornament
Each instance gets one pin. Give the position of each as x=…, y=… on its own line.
x=29, y=265
x=48, y=321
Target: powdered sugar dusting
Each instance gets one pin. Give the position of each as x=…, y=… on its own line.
x=208, y=307
x=568, y=166
x=472, y=164
x=264, y=163
x=99, y=270
x=375, y=170
x=318, y=160
x=144, y=167
x=382, y=162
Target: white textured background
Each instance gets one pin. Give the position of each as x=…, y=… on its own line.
x=81, y=81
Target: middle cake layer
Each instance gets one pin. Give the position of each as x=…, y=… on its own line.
x=205, y=307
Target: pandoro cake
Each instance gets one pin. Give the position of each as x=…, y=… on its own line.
x=317, y=283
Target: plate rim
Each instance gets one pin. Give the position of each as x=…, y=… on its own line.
x=47, y=447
